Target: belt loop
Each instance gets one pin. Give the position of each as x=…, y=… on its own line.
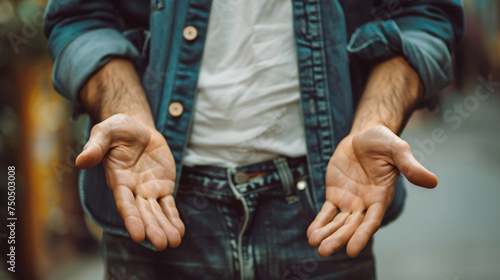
x=230, y=172
x=286, y=178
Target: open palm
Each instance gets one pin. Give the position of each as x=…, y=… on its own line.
x=360, y=183
x=140, y=171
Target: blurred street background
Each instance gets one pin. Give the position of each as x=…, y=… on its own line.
x=451, y=232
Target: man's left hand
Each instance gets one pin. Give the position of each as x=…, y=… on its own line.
x=360, y=182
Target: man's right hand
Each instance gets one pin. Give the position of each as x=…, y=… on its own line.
x=140, y=170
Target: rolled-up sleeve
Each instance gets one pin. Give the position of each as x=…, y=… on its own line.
x=425, y=32
x=83, y=36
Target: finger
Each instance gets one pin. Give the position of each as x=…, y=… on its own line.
x=326, y=215
x=98, y=145
x=173, y=235
x=366, y=230
x=337, y=240
x=125, y=202
x=153, y=230
x=410, y=167
x=170, y=210
x=321, y=233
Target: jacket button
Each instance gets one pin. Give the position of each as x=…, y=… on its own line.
x=190, y=33
x=175, y=109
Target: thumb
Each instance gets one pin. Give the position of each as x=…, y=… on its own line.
x=95, y=149
x=415, y=172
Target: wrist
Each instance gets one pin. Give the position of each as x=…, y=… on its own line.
x=359, y=128
x=116, y=89
x=391, y=95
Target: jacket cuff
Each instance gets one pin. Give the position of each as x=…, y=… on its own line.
x=83, y=56
x=376, y=41
x=426, y=54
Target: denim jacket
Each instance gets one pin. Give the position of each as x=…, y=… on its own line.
x=337, y=42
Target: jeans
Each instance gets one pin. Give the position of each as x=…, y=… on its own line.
x=247, y=222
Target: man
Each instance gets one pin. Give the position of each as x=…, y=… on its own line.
x=292, y=138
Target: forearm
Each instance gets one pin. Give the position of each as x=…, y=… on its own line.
x=115, y=89
x=392, y=92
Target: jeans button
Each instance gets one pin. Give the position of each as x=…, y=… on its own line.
x=301, y=185
x=241, y=177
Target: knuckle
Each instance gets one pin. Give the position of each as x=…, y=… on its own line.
x=96, y=129
x=401, y=146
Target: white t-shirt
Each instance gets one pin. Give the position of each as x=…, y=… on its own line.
x=247, y=107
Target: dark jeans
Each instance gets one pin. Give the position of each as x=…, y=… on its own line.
x=248, y=222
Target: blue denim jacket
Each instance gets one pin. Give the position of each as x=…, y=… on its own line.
x=337, y=42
